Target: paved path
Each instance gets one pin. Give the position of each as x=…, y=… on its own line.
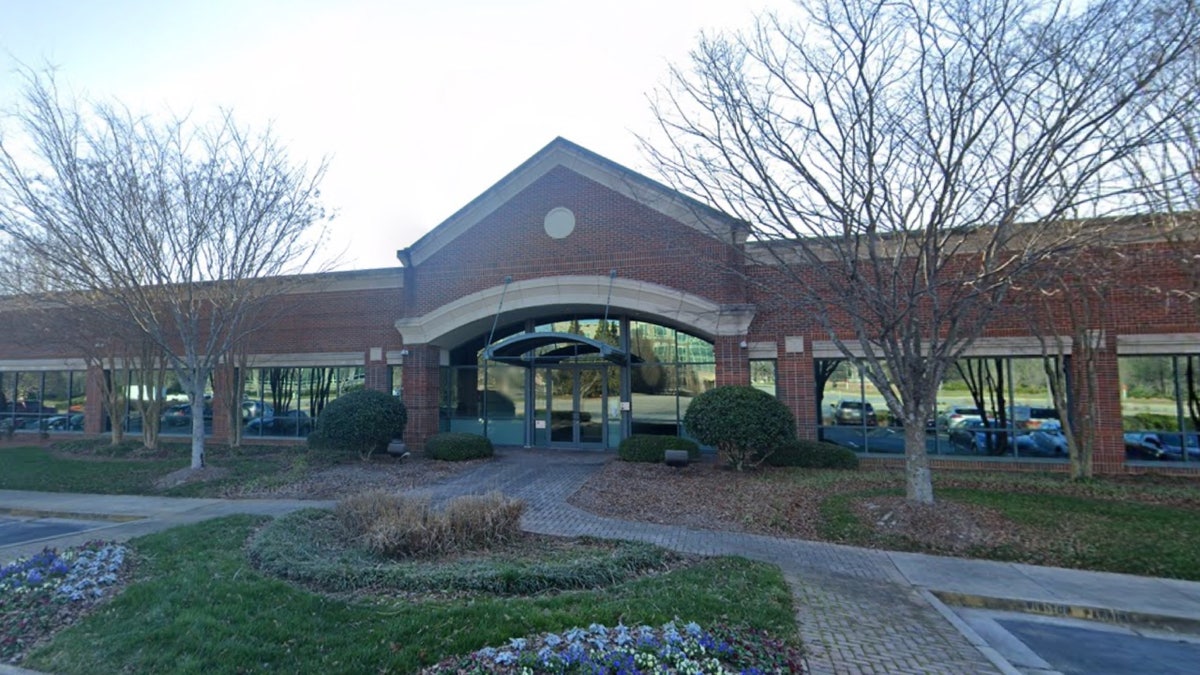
x=858, y=610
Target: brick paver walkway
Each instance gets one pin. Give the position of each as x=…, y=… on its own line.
x=856, y=612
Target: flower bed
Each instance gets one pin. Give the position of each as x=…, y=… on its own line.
x=670, y=649
x=40, y=593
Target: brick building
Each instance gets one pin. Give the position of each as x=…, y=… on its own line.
x=576, y=302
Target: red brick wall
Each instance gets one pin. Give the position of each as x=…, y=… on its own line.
x=615, y=232
x=611, y=232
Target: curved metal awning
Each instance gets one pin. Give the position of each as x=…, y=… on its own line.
x=522, y=349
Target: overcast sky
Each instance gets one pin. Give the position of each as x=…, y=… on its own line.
x=421, y=105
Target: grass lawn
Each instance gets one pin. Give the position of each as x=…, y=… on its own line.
x=124, y=471
x=197, y=605
x=1136, y=525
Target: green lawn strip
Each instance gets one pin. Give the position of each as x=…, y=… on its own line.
x=1101, y=534
x=242, y=471
x=839, y=523
x=198, y=606
x=1062, y=530
x=37, y=469
x=30, y=468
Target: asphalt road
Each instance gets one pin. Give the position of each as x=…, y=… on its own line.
x=20, y=529
x=1037, y=644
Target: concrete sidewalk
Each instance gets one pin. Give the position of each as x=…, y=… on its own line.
x=859, y=610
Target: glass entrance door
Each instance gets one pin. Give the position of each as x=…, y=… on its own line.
x=573, y=403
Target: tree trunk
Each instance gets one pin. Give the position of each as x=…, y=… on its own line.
x=919, y=483
x=196, y=400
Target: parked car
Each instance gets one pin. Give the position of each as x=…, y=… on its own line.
x=853, y=413
x=286, y=423
x=181, y=415
x=973, y=437
x=1031, y=417
x=72, y=422
x=252, y=409
x=957, y=415
x=1162, y=446
x=25, y=414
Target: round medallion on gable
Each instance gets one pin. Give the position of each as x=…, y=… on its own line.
x=559, y=222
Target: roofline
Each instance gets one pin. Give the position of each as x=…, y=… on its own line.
x=561, y=152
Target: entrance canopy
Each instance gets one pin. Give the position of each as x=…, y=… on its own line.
x=523, y=349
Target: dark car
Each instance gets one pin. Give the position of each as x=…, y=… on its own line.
x=72, y=422
x=973, y=437
x=854, y=413
x=286, y=423
x=181, y=415
x=1162, y=446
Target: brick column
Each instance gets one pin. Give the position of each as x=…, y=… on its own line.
x=375, y=374
x=223, y=399
x=422, y=393
x=93, y=404
x=1109, y=452
x=733, y=361
x=794, y=383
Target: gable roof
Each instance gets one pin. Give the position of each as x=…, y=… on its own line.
x=561, y=152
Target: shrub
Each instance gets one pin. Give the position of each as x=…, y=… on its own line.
x=398, y=526
x=309, y=546
x=813, y=455
x=361, y=421
x=648, y=448
x=744, y=424
x=456, y=446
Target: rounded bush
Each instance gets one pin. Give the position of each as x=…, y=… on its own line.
x=649, y=448
x=454, y=446
x=361, y=421
x=745, y=424
x=813, y=455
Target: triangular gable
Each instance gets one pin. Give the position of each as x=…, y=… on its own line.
x=561, y=152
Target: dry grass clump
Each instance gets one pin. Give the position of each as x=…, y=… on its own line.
x=399, y=526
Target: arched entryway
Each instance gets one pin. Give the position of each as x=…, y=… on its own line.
x=576, y=381
x=579, y=362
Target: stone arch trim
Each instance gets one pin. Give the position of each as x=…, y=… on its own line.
x=449, y=324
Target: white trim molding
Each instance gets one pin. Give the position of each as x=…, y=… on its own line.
x=312, y=360
x=1163, y=343
x=455, y=321
x=30, y=365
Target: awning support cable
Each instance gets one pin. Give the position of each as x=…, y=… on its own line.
x=612, y=277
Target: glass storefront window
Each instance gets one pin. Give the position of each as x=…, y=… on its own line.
x=576, y=396
x=396, y=381
x=995, y=406
x=32, y=401
x=762, y=375
x=287, y=402
x=1160, y=407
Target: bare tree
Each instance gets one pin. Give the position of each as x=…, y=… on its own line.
x=1067, y=314
x=900, y=164
x=183, y=229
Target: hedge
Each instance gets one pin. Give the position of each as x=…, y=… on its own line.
x=649, y=448
x=813, y=455
x=456, y=446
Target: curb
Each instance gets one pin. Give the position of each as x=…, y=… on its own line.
x=991, y=653
x=1174, y=624
x=70, y=515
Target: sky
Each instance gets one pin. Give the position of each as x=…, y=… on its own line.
x=420, y=106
